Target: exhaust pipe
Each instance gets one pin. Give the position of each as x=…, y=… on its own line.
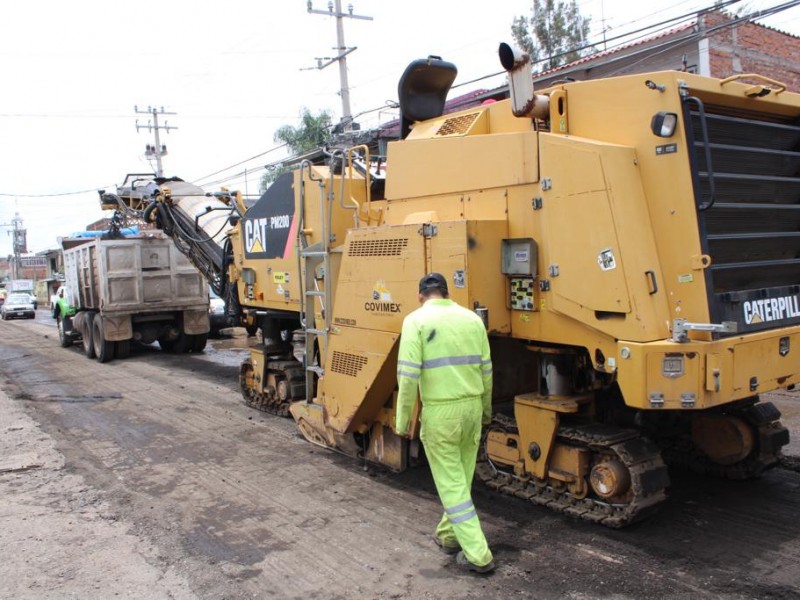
x=524, y=102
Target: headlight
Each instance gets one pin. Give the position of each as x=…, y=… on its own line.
x=663, y=124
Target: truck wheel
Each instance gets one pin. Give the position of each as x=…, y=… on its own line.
x=123, y=349
x=103, y=349
x=199, y=342
x=183, y=344
x=63, y=338
x=86, y=334
x=179, y=345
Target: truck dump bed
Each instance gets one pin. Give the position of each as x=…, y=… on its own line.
x=143, y=274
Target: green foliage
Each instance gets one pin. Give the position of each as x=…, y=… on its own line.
x=553, y=33
x=313, y=131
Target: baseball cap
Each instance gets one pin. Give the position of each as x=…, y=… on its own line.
x=433, y=281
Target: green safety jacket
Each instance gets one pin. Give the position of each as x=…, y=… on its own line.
x=444, y=351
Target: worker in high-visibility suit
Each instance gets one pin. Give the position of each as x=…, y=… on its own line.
x=444, y=352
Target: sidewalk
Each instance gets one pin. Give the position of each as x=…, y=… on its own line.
x=58, y=538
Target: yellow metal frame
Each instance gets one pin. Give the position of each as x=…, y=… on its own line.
x=715, y=373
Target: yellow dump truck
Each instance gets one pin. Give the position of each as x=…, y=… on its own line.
x=632, y=244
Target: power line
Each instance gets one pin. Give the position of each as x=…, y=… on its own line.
x=273, y=149
x=645, y=31
x=98, y=116
x=752, y=17
x=94, y=189
x=240, y=174
x=625, y=38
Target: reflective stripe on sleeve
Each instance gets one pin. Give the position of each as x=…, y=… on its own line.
x=408, y=363
x=407, y=374
x=449, y=361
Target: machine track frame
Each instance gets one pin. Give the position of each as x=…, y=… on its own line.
x=763, y=418
x=284, y=385
x=642, y=458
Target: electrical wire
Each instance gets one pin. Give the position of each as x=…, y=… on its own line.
x=752, y=17
x=273, y=149
x=625, y=38
x=95, y=189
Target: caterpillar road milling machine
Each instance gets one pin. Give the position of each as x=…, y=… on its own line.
x=632, y=244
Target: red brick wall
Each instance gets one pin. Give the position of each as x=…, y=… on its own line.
x=35, y=273
x=751, y=48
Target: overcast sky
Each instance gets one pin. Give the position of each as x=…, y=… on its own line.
x=73, y=71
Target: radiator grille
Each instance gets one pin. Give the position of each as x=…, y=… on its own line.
x=381, y=247
x=457, y=125
x=752, y=229
x=347, y=364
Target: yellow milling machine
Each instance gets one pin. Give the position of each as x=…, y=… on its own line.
x=632, y=244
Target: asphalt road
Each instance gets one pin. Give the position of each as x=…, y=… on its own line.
x=199, y=496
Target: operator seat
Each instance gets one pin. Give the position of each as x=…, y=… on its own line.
x=423, y=90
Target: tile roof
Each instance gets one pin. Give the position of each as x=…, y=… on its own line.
x=604, y=53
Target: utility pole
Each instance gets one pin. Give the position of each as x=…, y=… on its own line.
x=335, y=10
x=19, y=243
x=158, y=150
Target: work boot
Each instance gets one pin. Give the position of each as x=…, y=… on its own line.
x=463, y=563
x=446, y=548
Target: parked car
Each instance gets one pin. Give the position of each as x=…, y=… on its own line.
x=34, y=301
x=17, y=305
x=216, y=314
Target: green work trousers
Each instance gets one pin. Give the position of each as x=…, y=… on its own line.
x=451, y=433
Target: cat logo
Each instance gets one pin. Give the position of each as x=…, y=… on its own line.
x=766, y=310
x=269, y=226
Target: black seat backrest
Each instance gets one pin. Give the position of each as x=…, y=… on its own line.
x=423, y=90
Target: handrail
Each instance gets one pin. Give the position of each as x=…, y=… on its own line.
x=306, y=164
x=367, y=178
x=781, y=86
x=701, y=111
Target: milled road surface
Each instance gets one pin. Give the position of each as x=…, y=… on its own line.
x=149, y=478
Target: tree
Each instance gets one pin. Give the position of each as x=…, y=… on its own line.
x=312, y=132
x=554, y=34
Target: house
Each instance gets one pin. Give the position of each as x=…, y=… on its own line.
x=714, y=44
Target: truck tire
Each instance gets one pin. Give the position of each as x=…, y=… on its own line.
x=199, y=342
x=123, y=349
x=86, y=334
x=103, y=349
x=64, y=339
x=179, y=345
x=183, y=344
